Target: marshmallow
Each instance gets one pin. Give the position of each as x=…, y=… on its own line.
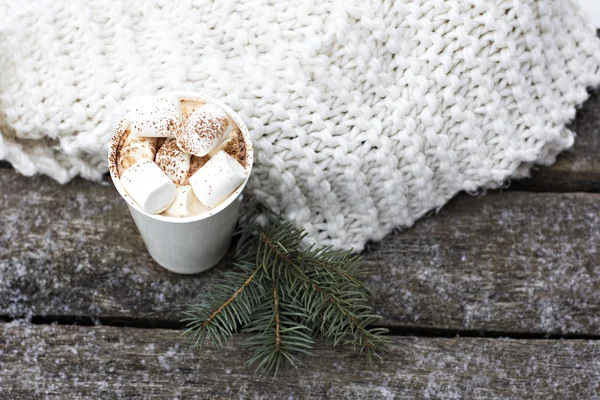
x=204, y=130
x=153, y=116
x=149, y=186
x=216, y=179
x=173, y=161
x=135, y=149
x=185, y=204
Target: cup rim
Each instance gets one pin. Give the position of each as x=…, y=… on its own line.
x=124, y=124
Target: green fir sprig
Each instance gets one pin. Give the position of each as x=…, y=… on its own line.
x=286, y=296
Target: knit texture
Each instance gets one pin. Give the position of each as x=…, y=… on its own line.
x=365, y=114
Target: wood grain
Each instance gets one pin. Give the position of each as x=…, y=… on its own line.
x=507, y=262
x=108, y=362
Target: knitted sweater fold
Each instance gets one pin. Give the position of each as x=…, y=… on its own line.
x=365, y=114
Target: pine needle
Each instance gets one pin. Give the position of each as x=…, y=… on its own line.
x=286, y=297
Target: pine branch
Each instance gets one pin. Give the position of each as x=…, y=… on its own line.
x=352, y=328
x=334, y=270
x=219, y=317
x=277, y=318
x=278, y=337
x=286, y=296
x=229, y=300
x=327, y=258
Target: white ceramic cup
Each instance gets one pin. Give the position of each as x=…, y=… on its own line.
x=192, y=244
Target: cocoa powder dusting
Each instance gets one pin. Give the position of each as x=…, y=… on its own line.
x=195, y=164
x=166, y=152
x=174, y=162
x=187, y=107
x=200, y=130
x=122, y=142
x=134, y=149
x=236, y=147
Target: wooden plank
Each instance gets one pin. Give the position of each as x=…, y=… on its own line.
x=579, y=168
x=96, y=362
x=508, y=262
x=505, y=262
x=73, y=250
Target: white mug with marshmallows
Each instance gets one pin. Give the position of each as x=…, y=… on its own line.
x=197, y=239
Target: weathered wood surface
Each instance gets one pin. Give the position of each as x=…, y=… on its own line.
x=510, y=262
x=579, y=168
x=506, y=262
x=108, y=362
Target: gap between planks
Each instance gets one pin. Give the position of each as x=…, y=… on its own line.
x=400, y=331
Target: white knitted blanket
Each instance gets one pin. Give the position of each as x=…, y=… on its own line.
x=365, y=114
